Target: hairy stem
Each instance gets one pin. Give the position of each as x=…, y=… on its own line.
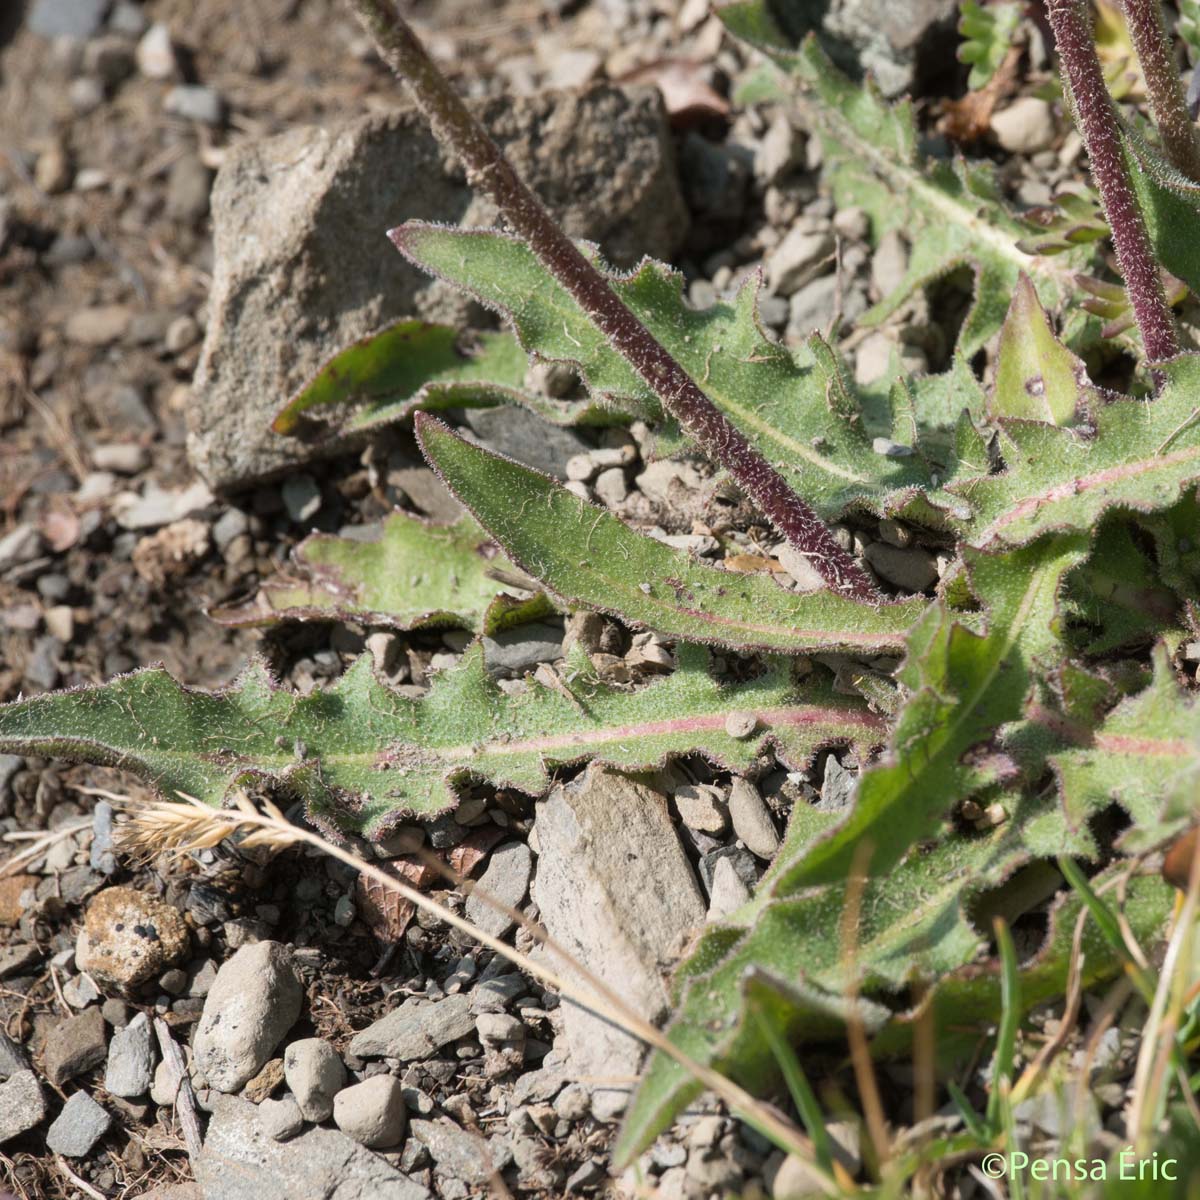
x=489, y=170
x=1164, y=85
x=1097, y=121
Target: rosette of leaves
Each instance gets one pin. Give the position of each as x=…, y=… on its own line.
x=1022, y=691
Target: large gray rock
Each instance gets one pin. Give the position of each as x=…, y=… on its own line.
x=303, y=267
x=240, y=1161
x=616, y=891
x=253, y=1002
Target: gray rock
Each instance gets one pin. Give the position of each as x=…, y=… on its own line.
x=75, y=1045
x=714, y=178
x=15, y=959
x=80, y=1125
x=701, y=807
x=21, y=545
x=280, y=1119
x=372, y=1112
x=506, y=879
x=615, y=889
x=415, y=1030
x=156, y=53
x=836, y=786
x=315, y=1072
x=519, y=434
x=22, y=1105
x=77, y=19
x=514, y=651
x=798, y=258
x=728, y=893
x=899, y=44
x=1025, y=126
x=189, y=183
x=301, y=496
x=253, y=1002
x=131, y=1059
x=779, y=150
x=751, y=820
x=459, y=1154
x=495, y=995
x=889, y=263
x=101, y=857
x=913, y=569
x=241, y=1161
x=195, y=102
x=12, y=1057
x=302, y=268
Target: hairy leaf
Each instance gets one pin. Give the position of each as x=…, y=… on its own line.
x=1136, y=456
x=915, y=926
x=964, y=686
x=1036, y=375
x=413, y=575
x=953, y=215
x=588, y=557
x=364, y=757
x=796, y=407
x=1144, y=752
x=416, y=365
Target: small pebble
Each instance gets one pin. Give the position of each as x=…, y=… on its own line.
x=194, y=102
x=372, y=1112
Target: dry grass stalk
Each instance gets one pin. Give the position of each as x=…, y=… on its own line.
x=181, y=828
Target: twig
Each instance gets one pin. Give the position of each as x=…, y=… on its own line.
x=1097, y=121
x=181, y=1089
x=82, y=1184
x=488, y=169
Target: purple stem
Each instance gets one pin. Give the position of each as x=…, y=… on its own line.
x=1097, y=121
x=1164, y=85
x=488, y=170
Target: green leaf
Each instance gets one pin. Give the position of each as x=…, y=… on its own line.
x=387, y=376
x=964, y=686
x=364, y=757
x=1117, y=594
x=952, y=215
x=586, y=556
x=796, y=407
x=1036, y=375
x=414, y=575
x=987, y=34
x=1145, y=751
x=401, y=367
x=914, y=925
x=1170, y=203
x=1135, y=456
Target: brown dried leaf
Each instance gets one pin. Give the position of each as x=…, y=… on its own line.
x=385, y=912
x=969, y=118
x=467, y=855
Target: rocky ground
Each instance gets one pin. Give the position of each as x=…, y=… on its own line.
x=152, y=325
